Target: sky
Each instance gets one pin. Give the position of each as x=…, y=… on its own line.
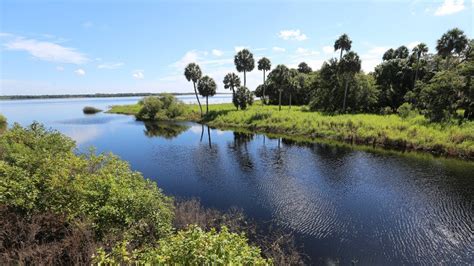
x=76, y=47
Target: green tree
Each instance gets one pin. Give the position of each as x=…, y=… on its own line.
x=401, y=52
x=244, y=62
x=349, y=66
x=388, y=55
x=304, y=68
x=193, y=73
x=231, y=81
x=243, y=98
x=453, y=41
x=343, y=43
x=280, y=77
x=207, y=87
x=420, y=50
x=264, y=65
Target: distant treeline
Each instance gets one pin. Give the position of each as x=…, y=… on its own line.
x=96, y=95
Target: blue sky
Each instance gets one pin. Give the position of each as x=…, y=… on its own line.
x=67, y=47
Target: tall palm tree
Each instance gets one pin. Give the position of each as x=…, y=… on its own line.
x=349, y=66
x=402, y=52
x=419, y=50
x=343, y=44
x=207, y=87
x=280, y=76
x=452, y=41
x=304, y=68
x=193, y=73
x=232, y=81
x=244, y=62
x=264, y=65
x=388, y=55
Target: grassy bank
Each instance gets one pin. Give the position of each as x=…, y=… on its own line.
x=388, y=131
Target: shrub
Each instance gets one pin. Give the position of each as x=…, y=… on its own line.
x=406, y=110
x=191, y=246
x=91, y=110
x=242, y=98
x=40, y=173
x=163, y=107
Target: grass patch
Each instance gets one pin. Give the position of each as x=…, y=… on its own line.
x=388, y=131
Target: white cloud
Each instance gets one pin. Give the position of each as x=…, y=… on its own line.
x=292, y=35
x=189, y=57
x=278, y=49
x=60, y=68
x=80, y=72
x=216, y=52
x=306, y=52
x=110, y=65
x=372, y=57
x=412, y=45
x=328, y=49
x=47, y=51
x=138, y=74
x=450, y=7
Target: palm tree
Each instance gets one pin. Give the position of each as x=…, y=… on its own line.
x=419, y=50
x=264, y=65
x=193, y=73
x=349, y=66
x=280, y=76
x=452, y=41
x=244, y=62
x=207, y=87
x=343, y=43
x=232, y=81
x=402, y=52
x=388, y=55
x=304, y=68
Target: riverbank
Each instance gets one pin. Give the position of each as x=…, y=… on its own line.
x=387, y=131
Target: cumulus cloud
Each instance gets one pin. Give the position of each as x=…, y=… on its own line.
x=217, y=52
x=372, y=57
x=278, y=49
x=449, y=7
x=413, y=44
x=138, y=74
x=306, y=52
x=80, y=72
x=60, y=68
x=296, y=35
x=46, y=51
x=110, y=65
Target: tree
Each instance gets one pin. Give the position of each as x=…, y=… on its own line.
x=264, y=65
x=207, y=87
x=453, y=41
x=343, y=44
x=304, y=68
x=349, y=66
x=232, y=81
x=419, y=50
x=243, y=98
x=280, y=78
x=244, y=62
x=193, y=73
x=388, y=55
x=402, y=52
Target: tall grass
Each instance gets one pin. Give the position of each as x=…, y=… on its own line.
x=390, y=131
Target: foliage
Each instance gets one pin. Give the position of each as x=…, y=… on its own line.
x=244, y=62
x=193, y=73
x=406, y=110
x=207, y=87
x=343, y=43
x=41, y=173
x=163, y=107
x=304, y=68
x=191, y=246
x=91, y=110
x=243, y=98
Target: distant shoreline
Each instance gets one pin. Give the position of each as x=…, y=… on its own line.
x=96, y=95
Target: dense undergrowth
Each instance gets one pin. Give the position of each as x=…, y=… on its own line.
x=57, y=207
x=414, y=132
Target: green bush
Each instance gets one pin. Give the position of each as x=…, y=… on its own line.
x=90, y=110
x=406, y=110
x=192, y=246
x=40, y=172
x=163, y=107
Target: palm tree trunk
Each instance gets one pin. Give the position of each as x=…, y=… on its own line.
x=263, y=100
x=416, y=71
x=279, y=100
x=345, y=95
x=290, y=101
x=197, y=97
x=245, y=79
x=207, y=104
x=340, y=57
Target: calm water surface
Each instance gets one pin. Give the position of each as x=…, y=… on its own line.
x=344, y=205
